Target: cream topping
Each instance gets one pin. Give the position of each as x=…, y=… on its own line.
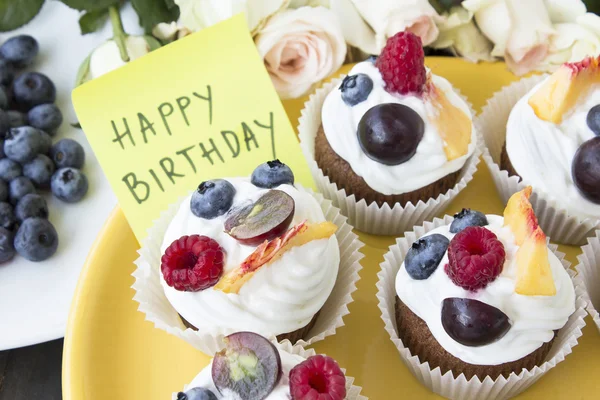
x=533, y=318
x=429, y=163
x=281, y=297
x=281, y=391
x=542, y=152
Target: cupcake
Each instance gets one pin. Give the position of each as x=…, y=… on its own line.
x=551, y=141
x=391, y=134
x=588, y=272
x=255, y=254
x=480, y=298
x=251, y=367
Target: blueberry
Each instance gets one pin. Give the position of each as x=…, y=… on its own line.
x=372, y=58
x=7, y=73
x=356, y=88
x=31, y=206
x=7, y=249
x=18, y=188
x=467, y=217
x=4, y=123
x=69, y=185
x=3, y=98
x=212, y=198
x=8, y=220
x=425, y=255
x=20, y=50
x=10, y=169
x=39, y=170
x=23, y=144
x=196, y=393
x=36, y=239
x=593, y=119
x=67, y=153
x=31, y=89
x=46, y=117
x=16, y=118
x=2, y=155
x=272, y=174
x=3, y=191
x=45, y=142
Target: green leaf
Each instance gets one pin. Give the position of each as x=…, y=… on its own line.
x=153, y=43
x=88, y=5
x=170, y=3
x=152, y=12
x=92, y=21
x=76, y=125
x=83, y=72
x=16, y=13
x=593, y=6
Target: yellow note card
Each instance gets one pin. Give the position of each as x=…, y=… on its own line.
x=202, y=107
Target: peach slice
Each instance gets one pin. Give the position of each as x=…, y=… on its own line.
x=534, y=276
x=450, y=121
x=519, y=215
x=564, y=88
x=270, y=251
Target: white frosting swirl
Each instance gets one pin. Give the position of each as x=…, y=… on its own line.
x=533, y=318
x=281, y=391
x=429, y=163
x=281, y=297
x=542, y=152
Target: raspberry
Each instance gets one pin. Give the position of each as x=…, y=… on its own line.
x=192, y=263
x=317, y=378
x=475, y=258
x=402, y=64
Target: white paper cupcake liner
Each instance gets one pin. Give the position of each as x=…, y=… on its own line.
x=491, y=123
x=157, y=308
x=372, y=218
x=588, y=273
x=352, y=391
x=458, y=387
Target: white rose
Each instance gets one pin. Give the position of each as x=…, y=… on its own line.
x=300, y=48
x=520, y=30
x=573, y=42
x=564, y=10
x=169, y=31
x=459, y=33
x=199, y=14
x=309, y=3
x=388, y=17
x=106, y=57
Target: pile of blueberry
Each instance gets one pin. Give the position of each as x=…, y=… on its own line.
x=29, y=162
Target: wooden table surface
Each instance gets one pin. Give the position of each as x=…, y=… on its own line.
x=32, y=373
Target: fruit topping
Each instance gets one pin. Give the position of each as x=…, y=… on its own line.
x=7, y=248
x=31, y=206
x=267, y=218
x=317, y=377
x=249, y=366
x=192, y=263
x=586, y=169
x=519, y=215
x=453, y=124
x=212, y=198
x=425, y=255
x=467, y=217
x=197, y=393
x=534, y=276
x=473, y=323
x=46, y=117
x=67, y=153
x=23, y=144
x=402, y=64
x=69, y=185
x=36, y=239
x=20, y=50
x=475, y=258
x=389, y=133
x=593, y=119
x=269, y=252
x=356, y=88
x=272, y=174
x=562, y=90
x=31, y=89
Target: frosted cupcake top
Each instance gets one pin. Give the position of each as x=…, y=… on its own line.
x=552, y=138
x=274, y=261
x=251, y=367
x=489, y=289
x=426, y=151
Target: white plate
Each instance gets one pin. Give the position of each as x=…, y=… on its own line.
x=35, y=297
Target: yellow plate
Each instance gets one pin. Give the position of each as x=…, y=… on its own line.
x=112, y=353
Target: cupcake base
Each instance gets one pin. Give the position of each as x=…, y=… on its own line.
x=505, y=163
x=415, y=335
x=293, y=337
x=339, y=171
